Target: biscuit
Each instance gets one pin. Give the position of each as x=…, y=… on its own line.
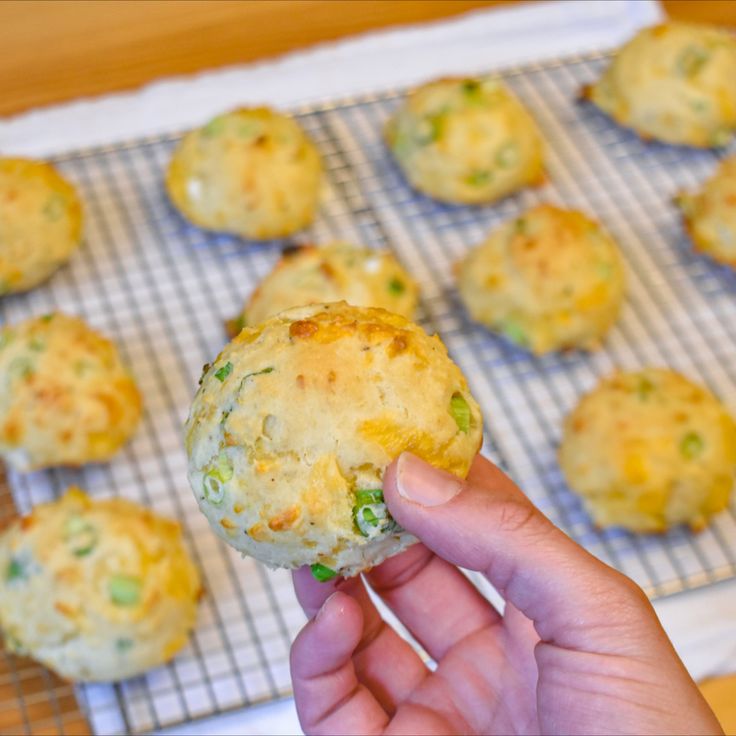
x=251, y=172
x=673, y=83
x=65, y=397
x=40, y=223
x=96, y=590
x=363, y=277
x=468, y=141
x=649, y=450
x=297, y=419
x=710, y=215
x=551, y=279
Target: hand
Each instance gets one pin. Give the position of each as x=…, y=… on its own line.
x=578, y=649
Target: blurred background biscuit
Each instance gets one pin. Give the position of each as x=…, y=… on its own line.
x=40, y=223
x=648, y=450
x=65, y=396
x=466, y=140
x=551, y=279
x=362, y=277
x=96, y=590
x=673, y=82
x=252, y=172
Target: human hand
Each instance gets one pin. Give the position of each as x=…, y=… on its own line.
x=578, y=649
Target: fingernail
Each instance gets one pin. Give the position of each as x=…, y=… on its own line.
x=324, y=606
x=422, y=484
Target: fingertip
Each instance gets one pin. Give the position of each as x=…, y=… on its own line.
x=311, y=593
x=329, y=639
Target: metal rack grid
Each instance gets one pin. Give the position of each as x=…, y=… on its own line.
x=162, y=289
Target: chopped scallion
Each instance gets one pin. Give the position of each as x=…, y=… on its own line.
x=460, y=411
x=691, y=61
x=15, y=570
x=691, y=445
x=478, y=178
x=370, y=513
x=222, y=373
x=396, y=286
x=507, y=156
x=214, y=127
x=123, y=645
x=322, y=572
x=514, y=332
x=125, y=590
x=81, y=537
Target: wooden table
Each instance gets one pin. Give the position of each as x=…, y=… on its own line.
x=54, y=51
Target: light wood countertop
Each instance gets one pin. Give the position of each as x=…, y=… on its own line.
x=53, y=51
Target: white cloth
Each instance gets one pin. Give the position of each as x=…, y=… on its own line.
x=702, y=623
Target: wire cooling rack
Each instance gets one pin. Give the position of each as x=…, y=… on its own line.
x=162, y=289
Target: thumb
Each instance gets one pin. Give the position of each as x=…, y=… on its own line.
x=486, y=523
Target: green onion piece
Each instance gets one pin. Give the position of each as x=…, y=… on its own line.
x=686, y=203
x=478, y=178
x=214, y=491
x=214, y=127
x=460, y=411
x=371, y=515
x=36, y=344
x=6, y=336
x=222, y=373
x=645, y=388
x=699, y=105
x=21, y=368
x=81, y=367
x=430, y=129
x=605, y=270
x=81, y=537
x=322, y=572
x=215, y=478
x=691, y=61
x=224, y=467
x=721, y=137
x=691, y=445
x=54, y=207
x=47, y=317
x=396, y=286
x=471, y=86
x=15, y=570
x=371, y=495
x=255, y=373
x=507, y=156
x=123, y=645
x=124, y=590
x=248, y=129
x=514, y=332
x=520, y=226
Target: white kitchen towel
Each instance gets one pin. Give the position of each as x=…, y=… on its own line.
x=701, y=623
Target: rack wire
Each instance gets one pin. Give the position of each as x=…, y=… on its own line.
x=161, y=289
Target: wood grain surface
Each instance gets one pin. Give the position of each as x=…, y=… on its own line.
x=54, y=51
